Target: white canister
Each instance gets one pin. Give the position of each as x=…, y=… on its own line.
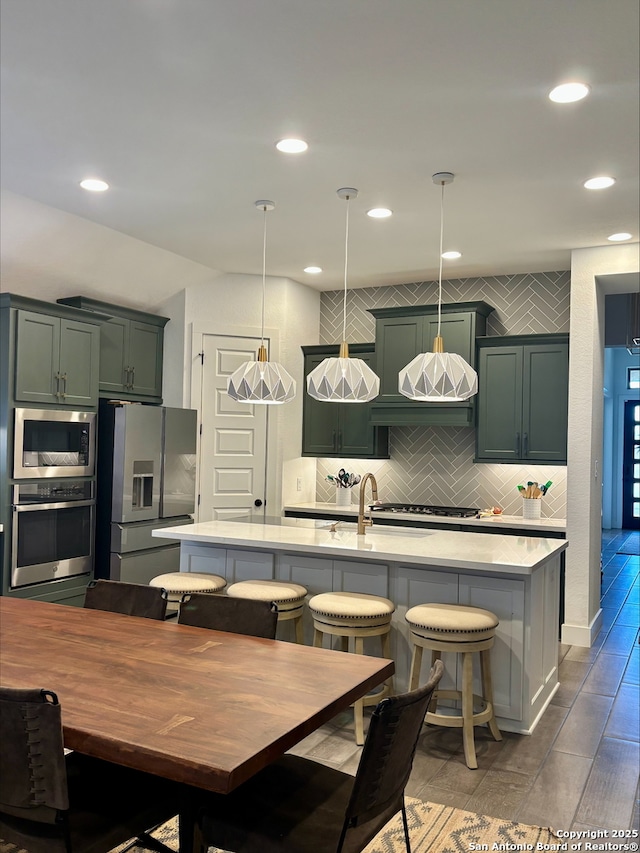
x=343, y=496
x=531, y=507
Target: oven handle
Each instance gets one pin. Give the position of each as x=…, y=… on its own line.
x=57, y=505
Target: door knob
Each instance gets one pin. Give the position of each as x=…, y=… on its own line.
x=257, y=502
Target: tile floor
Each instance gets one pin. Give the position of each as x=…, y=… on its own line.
x=580, y=767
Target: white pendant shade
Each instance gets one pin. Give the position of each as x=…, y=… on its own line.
x=343, y=380
x=438, y=377
x=261, y=382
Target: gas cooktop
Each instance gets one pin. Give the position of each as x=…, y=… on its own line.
x=426, y=509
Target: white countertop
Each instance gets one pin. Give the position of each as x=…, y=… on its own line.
x=514, y=522
x=482, y=552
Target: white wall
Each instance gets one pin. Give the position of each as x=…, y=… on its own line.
x=49, y=254
x=594, y=272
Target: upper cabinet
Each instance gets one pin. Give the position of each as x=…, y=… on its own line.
x=523, y=399
x=340, y=429
x=52, y=352
x=131, y=347
x=404, y=332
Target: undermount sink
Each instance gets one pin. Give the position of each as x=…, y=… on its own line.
x=375, y=530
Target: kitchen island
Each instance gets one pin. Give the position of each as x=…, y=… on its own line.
x=516, y=577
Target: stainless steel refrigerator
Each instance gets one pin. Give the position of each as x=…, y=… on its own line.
x=146, y=480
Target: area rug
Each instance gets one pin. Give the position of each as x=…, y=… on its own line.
x=433, y=828
x=631, y=545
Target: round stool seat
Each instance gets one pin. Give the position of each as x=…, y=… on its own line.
x=351, y=608
x=179, y=583
x=287, y=596
x=452, y=622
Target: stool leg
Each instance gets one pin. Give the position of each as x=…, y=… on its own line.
x=385, y=642
x=299, y=630
x=317, y=638
x=358, y=705
x=433, y=705
x=487, y=692
x=416, y=664
x=467, y=711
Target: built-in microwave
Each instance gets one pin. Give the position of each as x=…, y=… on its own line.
x=53, y=443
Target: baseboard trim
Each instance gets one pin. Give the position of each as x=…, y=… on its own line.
x=582, y=635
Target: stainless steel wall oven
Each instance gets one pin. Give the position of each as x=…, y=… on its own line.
x=53, y=531
x=53, y=443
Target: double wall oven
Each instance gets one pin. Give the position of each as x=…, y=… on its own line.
x=53, y=495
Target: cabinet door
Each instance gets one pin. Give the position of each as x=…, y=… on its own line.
x=356, y=436
x=37, y=358
x=398, y=341
x=319, y=420
x=545, y=400
x=499, y=429
x=113, y=352
x=456, y=331
x=145, y=358
x=79, y=363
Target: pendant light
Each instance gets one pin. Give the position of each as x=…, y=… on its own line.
x=438, y=376
x=343, y=379
x=262, y=381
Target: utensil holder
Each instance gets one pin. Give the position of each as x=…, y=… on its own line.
x=343, y=497
x=531, y=507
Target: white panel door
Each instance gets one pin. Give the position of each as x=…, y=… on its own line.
x=233, y=440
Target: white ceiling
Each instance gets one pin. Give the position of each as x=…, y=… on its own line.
x=178, y=105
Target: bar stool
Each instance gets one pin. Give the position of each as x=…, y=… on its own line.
x=178, y=584
x=357, y=615
x=462, y=630
x=287, y=596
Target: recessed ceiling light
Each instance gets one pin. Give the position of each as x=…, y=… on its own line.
x=451, y=256
x=292, y=146
x=618, y=238
x=313, y=270
x=379, y=212
x=94, y=185
x=600, y=183
x=567, y=93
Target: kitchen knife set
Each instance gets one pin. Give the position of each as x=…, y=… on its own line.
x=533, y=490
x=344, y=480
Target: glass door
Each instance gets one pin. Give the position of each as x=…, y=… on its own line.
x=631, y=466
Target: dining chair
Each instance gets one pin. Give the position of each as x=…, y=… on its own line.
x=297, y=805
x=236, y=615
x=132, y=599
x=52, y=803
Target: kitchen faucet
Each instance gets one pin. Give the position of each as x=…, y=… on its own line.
x=363, y=522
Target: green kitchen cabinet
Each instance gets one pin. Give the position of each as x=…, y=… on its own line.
x=523, y=399
x=404, y=332
x=131, y=349
x=340, y=429
x=56, y=360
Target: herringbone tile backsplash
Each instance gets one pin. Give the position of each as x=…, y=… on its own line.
x=434, y=465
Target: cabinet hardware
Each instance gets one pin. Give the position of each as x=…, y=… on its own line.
x=517, y=444
x=525, y=448
x=57, y=391
x=64, y=386
x=133, y=378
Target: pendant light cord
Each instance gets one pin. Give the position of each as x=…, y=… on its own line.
x=440, y=271
x=346, y=260
x=264, y=267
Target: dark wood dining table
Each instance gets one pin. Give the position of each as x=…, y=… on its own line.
x=202, y=707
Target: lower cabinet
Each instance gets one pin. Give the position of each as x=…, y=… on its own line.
x=525, y=653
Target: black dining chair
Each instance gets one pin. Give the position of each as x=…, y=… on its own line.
x=52, y=803
x=132, y=599
x=299, y=806
x=236, y=615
